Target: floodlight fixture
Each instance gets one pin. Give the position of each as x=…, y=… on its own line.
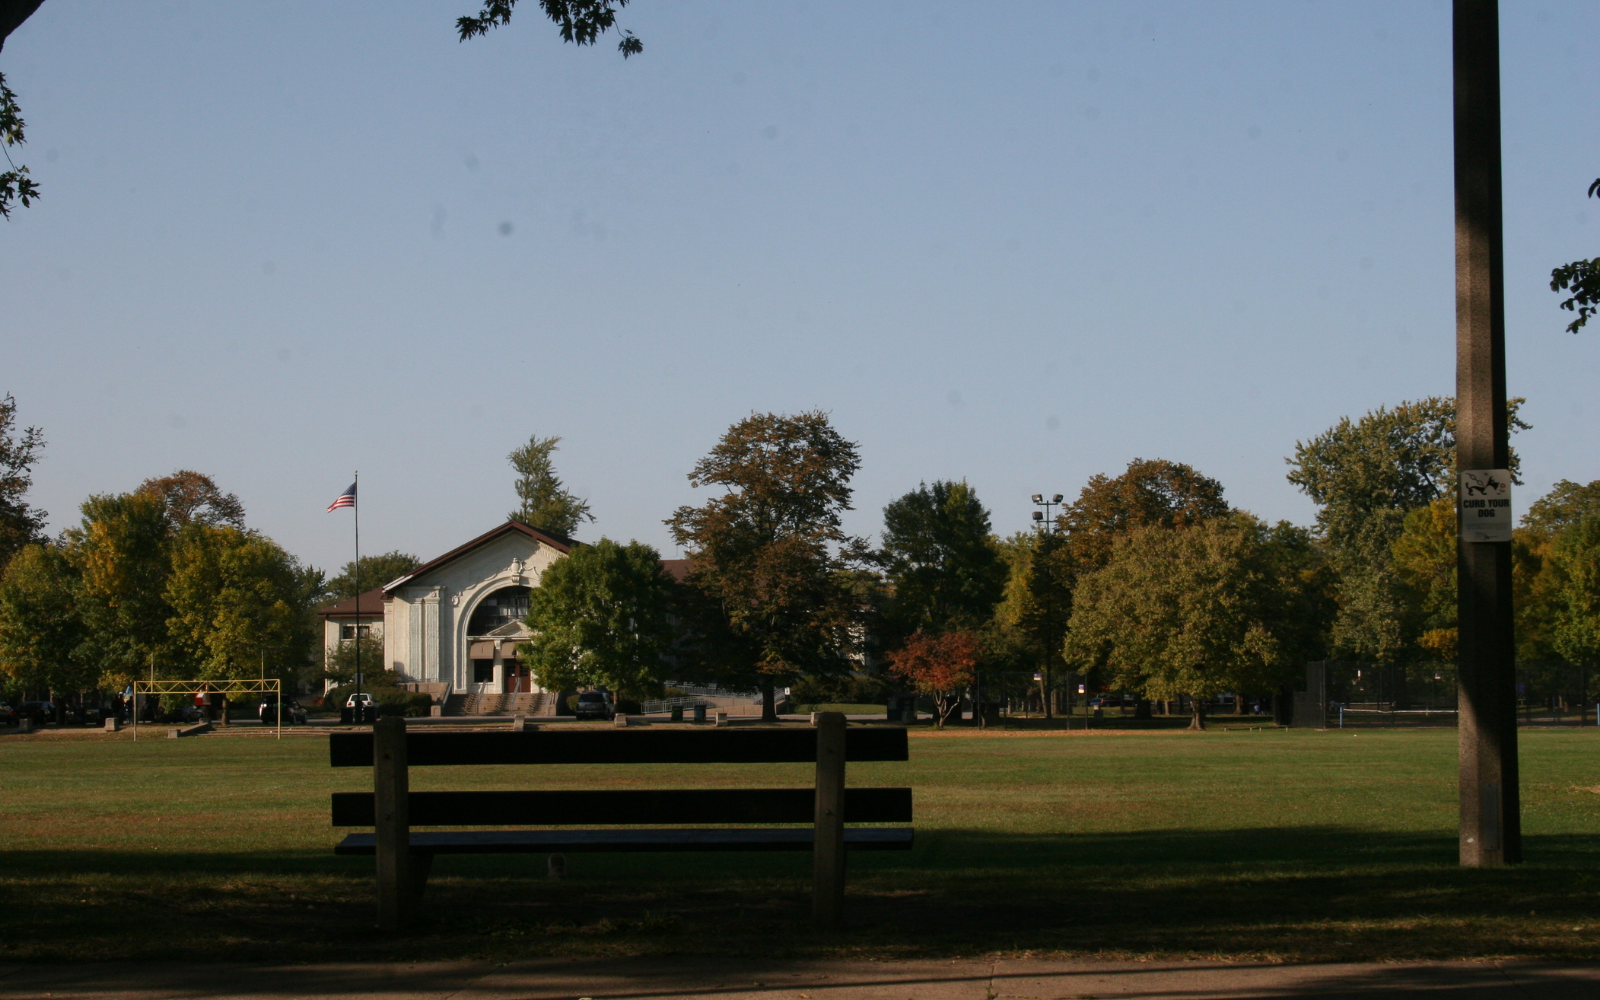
x=1056, y=499
x=1038, y=498
x=1038, y=515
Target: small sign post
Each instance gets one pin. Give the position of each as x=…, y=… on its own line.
x=1486, y=506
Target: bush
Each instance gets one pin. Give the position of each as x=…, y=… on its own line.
x=392, y=700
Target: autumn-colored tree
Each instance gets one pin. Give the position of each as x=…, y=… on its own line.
x=940, y=666
x=1150, y=493
x=769, y=598
x=240, y=604
x=1033, y=613
x=122, y=553
x=191, y=497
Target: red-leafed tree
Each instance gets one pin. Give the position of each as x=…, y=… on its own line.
x=940, y=666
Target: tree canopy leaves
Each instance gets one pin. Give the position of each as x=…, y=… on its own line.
x=191, y=497
x=601, y=617
x=375, y=571
x=546, y=503
x=581, y=22
x=20, y=524
x=1151, y=492
x=771, y=599
x=1582, y=278
x=940, y=560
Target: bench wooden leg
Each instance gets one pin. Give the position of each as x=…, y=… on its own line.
x=827, y=851
x=421, y=865
x=391, y=788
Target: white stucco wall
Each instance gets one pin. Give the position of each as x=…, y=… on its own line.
x=425, y=633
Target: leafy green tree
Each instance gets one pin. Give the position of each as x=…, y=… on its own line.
x=546, y=503
x=1576, y=557
x=1151, y=492
x=941, y=562
x=1033, y=613
x=375, y=571
x=342, y=665
x=20, y=524
x=1191, y=611
x=1425, y=566
x=770, y=597
x=1582, y=278
x=15, y=184
x=191, y=497
x=40, y=631
x=1366, y=476
x=602, y=617
x=1565, y=505
x=241, y=605
x=122, y=553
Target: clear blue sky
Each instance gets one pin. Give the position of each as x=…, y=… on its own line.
x=1018, y=243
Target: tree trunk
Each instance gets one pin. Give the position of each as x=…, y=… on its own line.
x=769, y=703
x=1141, y=709
x=1198, y=707
x=1238, y=703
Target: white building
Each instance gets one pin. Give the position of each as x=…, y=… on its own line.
x=453, y=623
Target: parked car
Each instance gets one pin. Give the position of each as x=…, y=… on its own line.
x=595, y=705
x=360, y=698
x=89, y=713
x=267, y=711
x=39, y=711
x=9, y=716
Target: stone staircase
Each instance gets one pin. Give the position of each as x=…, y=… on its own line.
x=524, y=703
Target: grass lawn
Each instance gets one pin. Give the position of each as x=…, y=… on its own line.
x=1278, y=845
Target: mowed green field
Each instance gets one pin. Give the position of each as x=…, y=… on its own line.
x=1276, y=845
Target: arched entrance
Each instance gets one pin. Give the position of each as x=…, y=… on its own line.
x=493, y=632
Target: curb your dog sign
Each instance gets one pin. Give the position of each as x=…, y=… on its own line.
x=1486, y=506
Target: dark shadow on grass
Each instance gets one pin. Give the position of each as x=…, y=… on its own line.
x=1308, y=893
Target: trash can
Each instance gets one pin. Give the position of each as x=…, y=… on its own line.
x=699, y=715
x=677, y=713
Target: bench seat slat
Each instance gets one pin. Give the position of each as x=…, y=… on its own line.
x=633, y=806
x=575, y=841
x=622, y=746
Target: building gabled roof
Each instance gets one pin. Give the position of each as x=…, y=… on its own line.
x=562, y=545
x=371, y=606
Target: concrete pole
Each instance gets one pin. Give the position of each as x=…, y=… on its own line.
x=1491, y=828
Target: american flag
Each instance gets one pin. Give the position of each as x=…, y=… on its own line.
x=346, y=499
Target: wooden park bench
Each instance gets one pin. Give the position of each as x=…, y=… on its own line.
x=673, y=819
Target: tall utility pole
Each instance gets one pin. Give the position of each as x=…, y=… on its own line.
x=1491, y=818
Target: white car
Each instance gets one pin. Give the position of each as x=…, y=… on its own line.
x=360, y=698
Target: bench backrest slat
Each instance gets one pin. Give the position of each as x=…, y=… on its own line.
x=628, y=806
x=621, y=746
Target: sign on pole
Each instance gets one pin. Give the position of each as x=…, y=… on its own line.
x=1486, y=506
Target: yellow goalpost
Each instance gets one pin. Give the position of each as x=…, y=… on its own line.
x=156, y=688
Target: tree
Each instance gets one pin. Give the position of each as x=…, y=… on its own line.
x=40, y=631
x=191, y=497
x=1185, y=611
x=939, y=556
x=1576, y=557
x=546, y=503
x=1366, y=476
x=580, y=21
x=1425, y=565
x=241, y=605
x=374, y=571
x=20, y=524
x=940, y=666
x=1152, y=492
x=122, y=554
x=601, y=618
x=15, y=184
x=1582, y=278
x=1565, y=505
x=1032, y=617
x=771, y=599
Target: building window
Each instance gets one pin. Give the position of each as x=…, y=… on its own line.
x=482, y=671
x=349, y=631
x=501, y=608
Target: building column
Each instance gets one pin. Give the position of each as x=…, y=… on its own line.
x=499, y=668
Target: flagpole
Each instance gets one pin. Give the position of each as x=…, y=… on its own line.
x=357, y=510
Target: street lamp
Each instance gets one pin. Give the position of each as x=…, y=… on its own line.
x=1046, y=524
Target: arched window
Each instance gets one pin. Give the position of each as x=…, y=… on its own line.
x=504, y=606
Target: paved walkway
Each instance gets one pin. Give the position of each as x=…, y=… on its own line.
x=640, y=979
